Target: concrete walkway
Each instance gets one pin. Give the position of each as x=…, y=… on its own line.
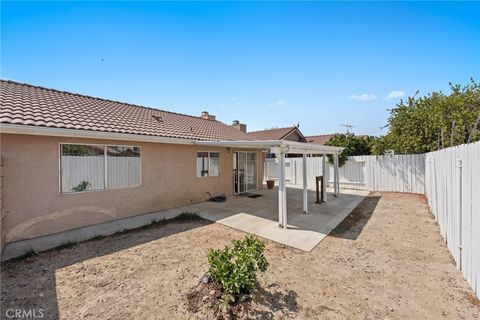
x=260, y=215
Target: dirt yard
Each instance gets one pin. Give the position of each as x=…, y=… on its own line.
x=387, y=260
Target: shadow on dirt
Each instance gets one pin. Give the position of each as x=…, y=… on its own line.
x=351, y=227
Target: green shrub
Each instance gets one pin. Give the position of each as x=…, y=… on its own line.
x=66, y=245
x=235, y=268
x=27, y=254
x=187, y=216
x=82, y=186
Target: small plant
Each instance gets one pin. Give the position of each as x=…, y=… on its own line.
x=98, y=237
x=159, y=221
x=187, y=216
x=27, y=254
x=66, y=245
x=82, y=186
x=235, y=268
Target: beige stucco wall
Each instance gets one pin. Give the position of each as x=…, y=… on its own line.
x=2, y=204
x=34, y=206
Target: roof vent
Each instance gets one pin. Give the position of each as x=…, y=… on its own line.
x=157, y=118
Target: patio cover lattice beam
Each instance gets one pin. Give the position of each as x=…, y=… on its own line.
x=290, y=146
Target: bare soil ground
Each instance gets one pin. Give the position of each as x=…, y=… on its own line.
x=386, y=260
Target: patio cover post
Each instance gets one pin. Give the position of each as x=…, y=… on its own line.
x=325, y=177
x=336, y=182
x=305, y=191
x=265, y=170
x=282, y=190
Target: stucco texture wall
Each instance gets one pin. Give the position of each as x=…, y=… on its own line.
x=35, y=207
x=2, y=204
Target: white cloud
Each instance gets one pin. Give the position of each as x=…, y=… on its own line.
x=278, y=103
x=395, y=95
x=363, y=97
x=236, y=101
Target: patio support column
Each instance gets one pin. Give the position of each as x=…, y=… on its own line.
x=336, y=182
x=325, y=177
x=305, y=190
x=282, y=191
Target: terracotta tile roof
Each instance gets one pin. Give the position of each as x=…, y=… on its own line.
x=320, y=139
x=323, y=138
x=26, y=104
x=271, y=134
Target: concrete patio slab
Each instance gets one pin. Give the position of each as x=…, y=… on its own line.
x=260, y=215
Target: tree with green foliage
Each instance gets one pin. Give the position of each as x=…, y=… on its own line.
x=433, y=122
x=354, y=146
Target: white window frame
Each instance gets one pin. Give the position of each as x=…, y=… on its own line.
x=209, y=162
x=106, y=188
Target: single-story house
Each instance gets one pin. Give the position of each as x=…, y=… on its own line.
x=288, y=134
x=69, y=160
x=292, y=133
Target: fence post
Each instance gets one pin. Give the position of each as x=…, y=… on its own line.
x=460, y=237
x=436, y=188
x=325, y=177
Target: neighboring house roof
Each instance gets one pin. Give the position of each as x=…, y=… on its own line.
x=25, y=104
x=323, y=138
x=276, y=133
x=319, y=139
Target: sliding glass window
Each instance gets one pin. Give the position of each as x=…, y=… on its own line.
x=98, y=167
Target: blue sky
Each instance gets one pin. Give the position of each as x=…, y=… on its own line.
x=267, y=64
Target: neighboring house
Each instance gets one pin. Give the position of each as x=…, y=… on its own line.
x=288, y=133
x=319, y=139
x=71, y=160
x=323, y=138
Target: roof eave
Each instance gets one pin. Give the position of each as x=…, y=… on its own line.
x=88, y=134
x=288, y=146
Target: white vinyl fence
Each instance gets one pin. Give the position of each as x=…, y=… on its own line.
x=450, y=178
x=121, y=172
x=453, y=192
x=398, y=173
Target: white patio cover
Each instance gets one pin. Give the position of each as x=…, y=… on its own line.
x=281, y=148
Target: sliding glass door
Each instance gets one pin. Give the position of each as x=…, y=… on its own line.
x=244, y=171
